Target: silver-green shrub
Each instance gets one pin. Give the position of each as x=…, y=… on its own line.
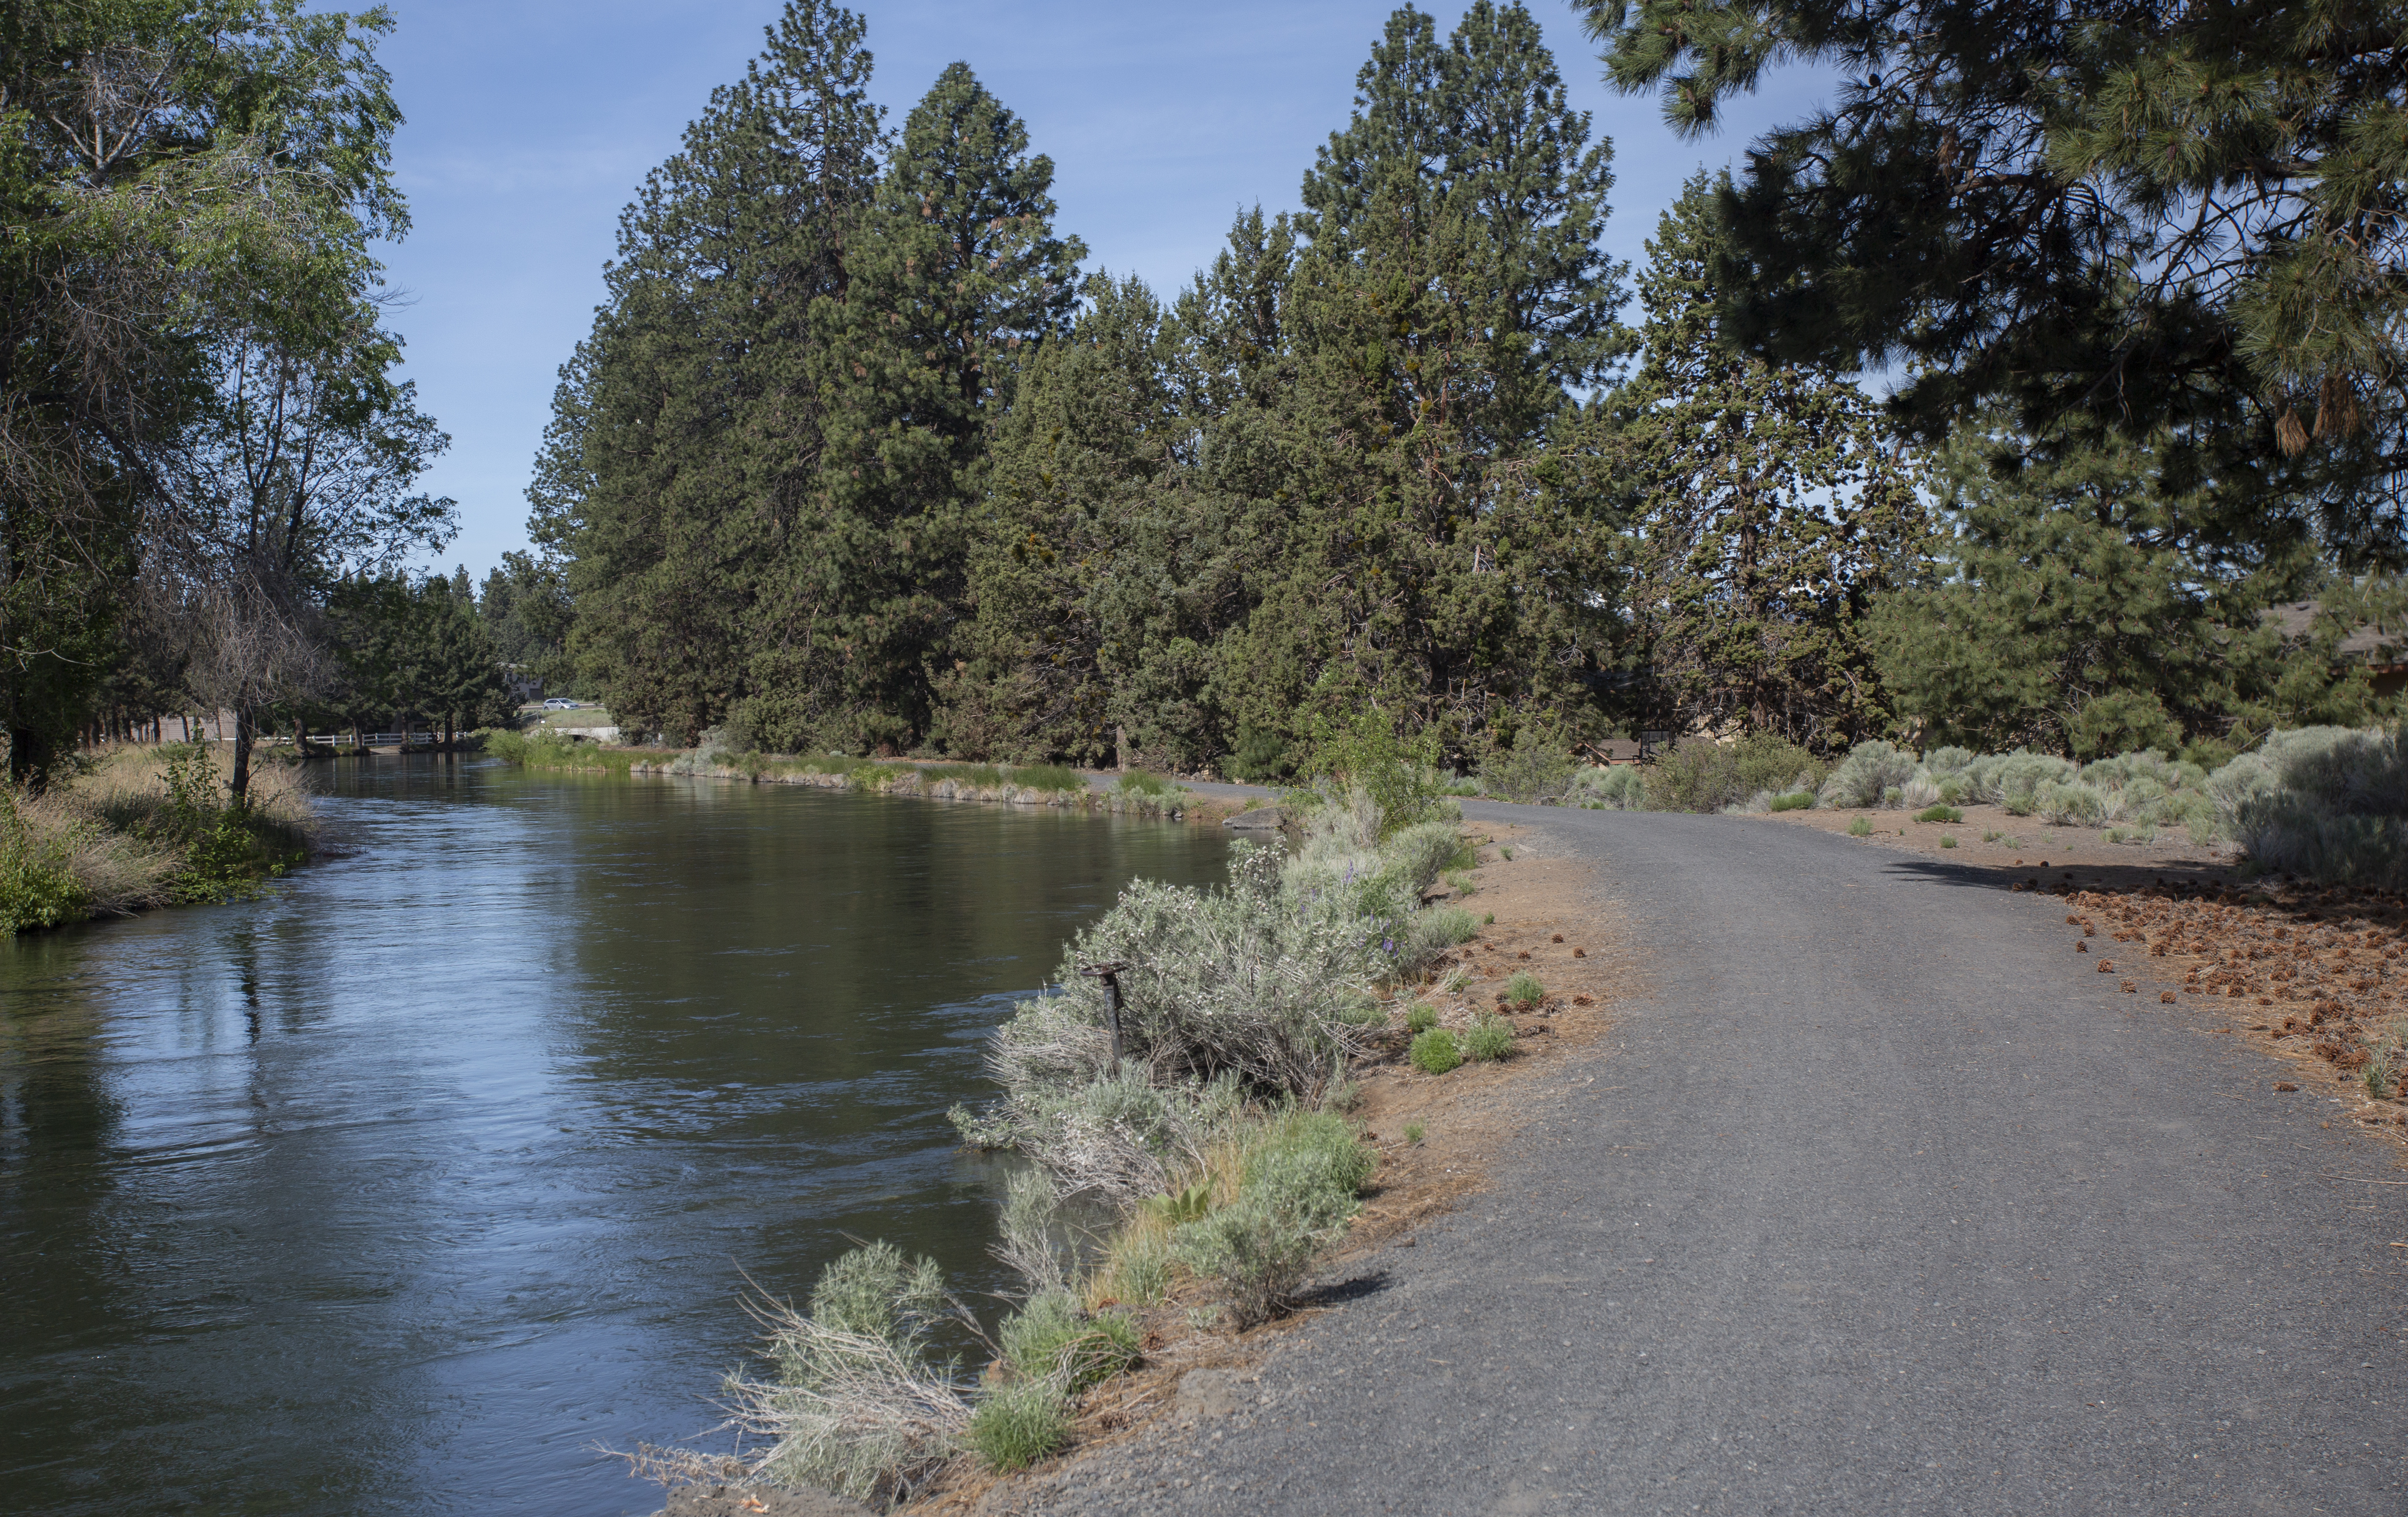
x=858, y=1405
x=1534, y=770
x=1263, y=987
x=2014, y=780
x=1866, y=776
x=1299, y=1186
x=1619, y=788
x=2326, y=803
x=1432, y=932
x=2070, y=805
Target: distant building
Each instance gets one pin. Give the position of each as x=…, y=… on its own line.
x=521, y=682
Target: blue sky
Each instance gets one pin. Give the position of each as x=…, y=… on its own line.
x=531, y=123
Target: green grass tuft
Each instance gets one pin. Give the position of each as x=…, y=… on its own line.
x=1048, y=777
x=1434, y=1053
x=1016, y=1425
x=1421, y=1018
x=1413, y=1132
x=1942, y=812
x=1139, y=782
x=1861, y=827
x=1801, y=800
x=1946, y=841
x=1524, y=990
x=1491, y=1038
x=1052, y=1338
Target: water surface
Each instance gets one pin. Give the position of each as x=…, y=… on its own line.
x=400, y=1189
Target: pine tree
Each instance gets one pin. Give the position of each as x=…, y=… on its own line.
x=1449, y=293
x=1770, y=507
x=953, y=281
x=1105, y=566
x=2176, y=222
x=680, y=470
x=2087, y=604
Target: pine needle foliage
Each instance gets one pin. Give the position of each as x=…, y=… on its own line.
x=2153, y=219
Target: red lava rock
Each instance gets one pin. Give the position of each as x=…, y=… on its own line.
x=2167, y=996
x=2082, y=948
x=1580, y=952
x=1583, y=1000
x=2286, y=1085
x=2106, y=966
x=1557, y=938
x=2130, y=988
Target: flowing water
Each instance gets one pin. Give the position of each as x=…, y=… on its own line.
x=400, y=1190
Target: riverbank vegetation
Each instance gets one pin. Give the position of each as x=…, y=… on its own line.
x=860, y=458
x=133, y=827
x=1178, y=1099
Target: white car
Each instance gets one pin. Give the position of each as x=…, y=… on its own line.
x=558, y=704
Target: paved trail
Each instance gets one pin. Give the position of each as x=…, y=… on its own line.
x=1880, y=1202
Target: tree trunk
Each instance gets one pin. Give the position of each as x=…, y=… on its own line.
x=1120, y=746
x=246, y=732
x=29, y=758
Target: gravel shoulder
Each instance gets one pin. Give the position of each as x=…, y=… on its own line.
x=1873, y=1199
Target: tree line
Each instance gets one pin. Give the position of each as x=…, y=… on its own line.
x=858, y=456
x=855, y=457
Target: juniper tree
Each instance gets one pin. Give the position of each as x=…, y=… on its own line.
x=2180, y=223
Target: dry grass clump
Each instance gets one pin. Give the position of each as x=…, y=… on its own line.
x=859, y=1403
x=138, y=826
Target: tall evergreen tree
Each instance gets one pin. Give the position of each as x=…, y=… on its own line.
x=1449, y=292
x=1107, y=565
x=952, y=281
x=679, y=474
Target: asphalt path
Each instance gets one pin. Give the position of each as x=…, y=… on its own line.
x=1877, y=1200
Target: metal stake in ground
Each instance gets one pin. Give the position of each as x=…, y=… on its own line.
x=1110, y=975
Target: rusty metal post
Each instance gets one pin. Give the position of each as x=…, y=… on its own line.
x=1110, y=975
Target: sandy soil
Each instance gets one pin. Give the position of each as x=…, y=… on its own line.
x=2020, y=847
